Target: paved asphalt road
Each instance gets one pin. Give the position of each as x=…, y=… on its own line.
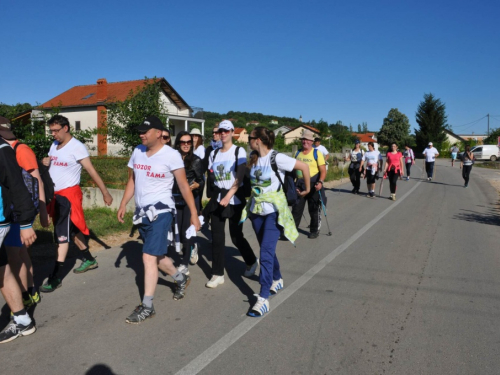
x=405, y=287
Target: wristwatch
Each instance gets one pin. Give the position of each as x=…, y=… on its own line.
x=322, y=183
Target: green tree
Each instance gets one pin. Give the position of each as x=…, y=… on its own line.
x=359, y=129
x=431, y=118
x=123, y=117
x=493, y=137
x=395, y=128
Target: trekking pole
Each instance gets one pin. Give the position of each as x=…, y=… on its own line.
x=382, y=181
x=434, y=171
x=324, y=211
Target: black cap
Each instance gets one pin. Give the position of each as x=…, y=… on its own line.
x=151, y=122
x=6, y=129
x=317, y=139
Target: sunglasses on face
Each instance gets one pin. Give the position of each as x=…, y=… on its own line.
x=165, y=137
x=251, y=138
x=224, y=131
x=183, y=143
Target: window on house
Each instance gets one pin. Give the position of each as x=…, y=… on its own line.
x=87, y=96
x=77, y=125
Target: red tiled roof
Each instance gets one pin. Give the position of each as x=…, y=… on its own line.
x=116, y=91
x=238, y=130
x=314, y=130
x=365, y=137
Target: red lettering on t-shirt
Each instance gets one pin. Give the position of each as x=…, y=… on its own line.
x=142, y=166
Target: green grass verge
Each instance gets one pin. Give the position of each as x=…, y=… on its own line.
x=101, y=222
x=113, y=171
x=488, y=164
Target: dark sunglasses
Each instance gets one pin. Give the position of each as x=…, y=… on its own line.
x=223, y=131
x=186, y=142
x=251, y=138
x=165, y=137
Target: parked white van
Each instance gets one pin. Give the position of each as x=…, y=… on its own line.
x=484, y=152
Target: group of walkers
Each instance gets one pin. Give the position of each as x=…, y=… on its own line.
x=367, y=164
x=167, y=183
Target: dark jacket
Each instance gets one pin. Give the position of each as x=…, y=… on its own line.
x=14, y=195
x=193, y=174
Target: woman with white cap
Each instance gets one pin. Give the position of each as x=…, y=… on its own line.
x=356, y=167
x=199, y=149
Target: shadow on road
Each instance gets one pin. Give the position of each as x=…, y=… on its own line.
x=490, y=217
x=100, y=369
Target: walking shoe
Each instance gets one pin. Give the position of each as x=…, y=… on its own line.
x=214, y=281
x=393, y=197
x=260, y=308
x=371, y=194
x=51, y=285
x=250, y=271
x=14, y=330
x=276, y=285
x=466, y=185
x=194, y=255
x=140, y=314
x=183, y=269
x=353, y=191
x=313, y=235
x=180, y=289
x=428, y=178
x=86, y=266
x=37, y=298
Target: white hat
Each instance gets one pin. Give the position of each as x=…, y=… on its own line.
x=430, y=144
x=195, y=131
x=226, y=125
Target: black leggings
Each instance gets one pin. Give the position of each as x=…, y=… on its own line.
x=466, y=173
x=355, y=176
x=393, y=176
x=408, y=167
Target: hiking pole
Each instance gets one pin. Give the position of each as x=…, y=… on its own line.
x=434, y=171
x=324, y=211
x=381, y=182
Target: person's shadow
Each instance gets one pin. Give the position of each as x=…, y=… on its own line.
x=100, y=369
x=132, y=252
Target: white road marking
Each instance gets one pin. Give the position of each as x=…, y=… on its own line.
x=205, y=358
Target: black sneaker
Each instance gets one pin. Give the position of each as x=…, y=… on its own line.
x=313, y=235
x=354, y=191
x=14, y=330
x=180, y=289
x=140, y=314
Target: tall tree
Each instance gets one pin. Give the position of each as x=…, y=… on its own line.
x=365, y=127
x=359, y=128
x=123, y=117
x=431, y=118
x=395, y=128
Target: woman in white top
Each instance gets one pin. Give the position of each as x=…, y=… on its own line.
x=226, y=168
x=373, y=162
x=356, y=167
x=268, y=209
x=199, y=149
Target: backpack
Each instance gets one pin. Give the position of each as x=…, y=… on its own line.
x=246, y=188
x=48, y=184
x=289, y=186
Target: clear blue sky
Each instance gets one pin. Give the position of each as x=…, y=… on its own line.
x=337, y=60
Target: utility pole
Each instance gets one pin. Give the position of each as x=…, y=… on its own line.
x=488, y=124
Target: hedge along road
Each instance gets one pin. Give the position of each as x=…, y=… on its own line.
x=405, y=286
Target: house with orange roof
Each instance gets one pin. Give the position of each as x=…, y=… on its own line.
x=86, y=107
x=240, y=135
x=296, y=133
x=365, y=138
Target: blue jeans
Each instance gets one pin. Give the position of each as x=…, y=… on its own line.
x=268, y=233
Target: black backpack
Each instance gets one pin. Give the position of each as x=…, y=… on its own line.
x=48, y=184
x=289, y=185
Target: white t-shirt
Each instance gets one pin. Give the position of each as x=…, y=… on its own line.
x=430, y=154
x=371, y=157
x=65, y=168
x=322, y=149
x=153, y=175
x=263, y=176
x=200, y=152
x=223, y=167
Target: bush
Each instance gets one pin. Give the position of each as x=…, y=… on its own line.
x=113, y=171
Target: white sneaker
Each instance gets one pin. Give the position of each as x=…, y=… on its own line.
x=183, y=269
x=276, y=285
x=408, y=178
x=250, y=271
x=214, y=281
x=194, y=255
x=260, y=308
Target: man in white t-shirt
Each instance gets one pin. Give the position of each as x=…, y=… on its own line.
x=66, y=158
x=430, y=154
x=154, y=167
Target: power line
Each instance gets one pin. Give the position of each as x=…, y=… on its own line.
x=473, y=122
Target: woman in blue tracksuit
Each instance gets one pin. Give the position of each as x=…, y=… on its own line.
x=268, y=210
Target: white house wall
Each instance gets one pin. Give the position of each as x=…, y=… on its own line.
x=88, y=120
x=172, y=108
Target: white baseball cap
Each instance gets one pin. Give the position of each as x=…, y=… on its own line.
x=226, y=125
x=430, y=144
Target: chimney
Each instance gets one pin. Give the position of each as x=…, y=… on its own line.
x=102, y=90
